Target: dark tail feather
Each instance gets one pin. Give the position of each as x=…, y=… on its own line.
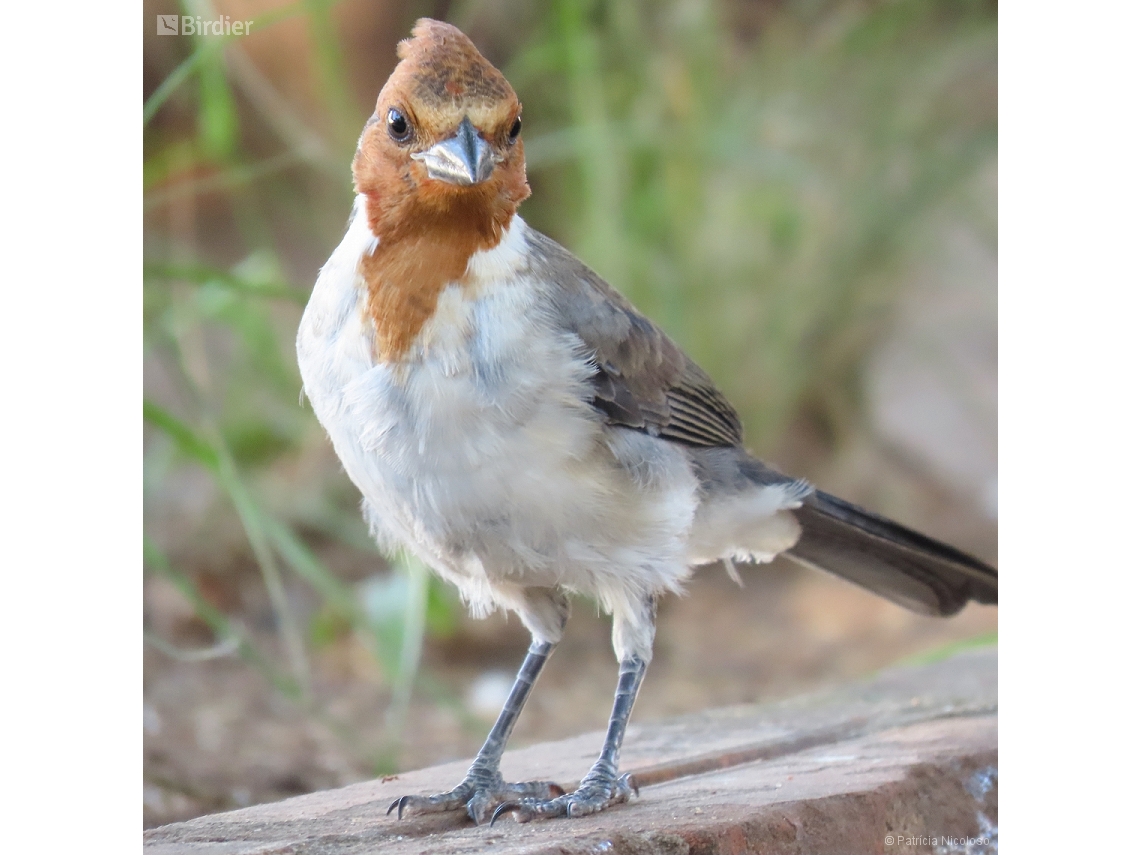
x=882, y=556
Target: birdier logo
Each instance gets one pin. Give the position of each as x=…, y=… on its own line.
x=191, y=25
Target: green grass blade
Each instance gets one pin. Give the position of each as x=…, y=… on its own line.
x=310, y=568
x=222, y=627
x=185, y=438
x=411, y=646
x=215, y=457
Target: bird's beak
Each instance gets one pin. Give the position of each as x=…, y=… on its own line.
x=463, y=159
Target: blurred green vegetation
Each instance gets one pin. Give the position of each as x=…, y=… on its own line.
x=757, y=177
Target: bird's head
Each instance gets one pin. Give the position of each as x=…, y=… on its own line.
x=443, y=148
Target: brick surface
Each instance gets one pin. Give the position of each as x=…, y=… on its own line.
x=906, y=762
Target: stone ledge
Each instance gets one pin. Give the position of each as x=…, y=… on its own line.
x=909, y=757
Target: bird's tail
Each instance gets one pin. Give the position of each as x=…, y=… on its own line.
x=882, y=556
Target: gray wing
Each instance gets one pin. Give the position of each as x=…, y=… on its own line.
x=645, y=382
x=642, y=379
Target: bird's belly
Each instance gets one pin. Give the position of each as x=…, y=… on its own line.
x=498, y=471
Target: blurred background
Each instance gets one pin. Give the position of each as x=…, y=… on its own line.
x=803, y=193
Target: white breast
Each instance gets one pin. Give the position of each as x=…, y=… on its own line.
x=480, y=453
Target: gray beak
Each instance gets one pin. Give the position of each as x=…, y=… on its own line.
x=463, y=159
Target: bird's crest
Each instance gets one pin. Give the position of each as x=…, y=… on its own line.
x=440, y=66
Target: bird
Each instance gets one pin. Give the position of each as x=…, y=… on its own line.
x=512, y=421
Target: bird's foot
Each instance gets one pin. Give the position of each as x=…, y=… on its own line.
x=597, y=792
x=480, y=793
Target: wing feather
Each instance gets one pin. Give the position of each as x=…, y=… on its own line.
x=643, y=380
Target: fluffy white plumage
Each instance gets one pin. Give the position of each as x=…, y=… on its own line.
x=481, y=454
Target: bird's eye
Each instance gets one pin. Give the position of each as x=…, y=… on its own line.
x=398, y=127
x=516, y=128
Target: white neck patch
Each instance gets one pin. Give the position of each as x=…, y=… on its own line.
x=503, y=261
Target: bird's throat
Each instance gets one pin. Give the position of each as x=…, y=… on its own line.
x=406, y=273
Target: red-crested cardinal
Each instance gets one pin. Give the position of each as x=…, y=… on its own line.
x=515, y=423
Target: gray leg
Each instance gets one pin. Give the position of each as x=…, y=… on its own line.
x=602, y=787
x=492, y=751
x=483, y=788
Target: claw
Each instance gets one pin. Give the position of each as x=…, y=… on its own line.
x=501, y=809
x=398, y=806
x=480, y=798
x=586, y=800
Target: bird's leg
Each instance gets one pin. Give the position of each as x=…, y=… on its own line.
x=483, y=787
x=603, y=787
